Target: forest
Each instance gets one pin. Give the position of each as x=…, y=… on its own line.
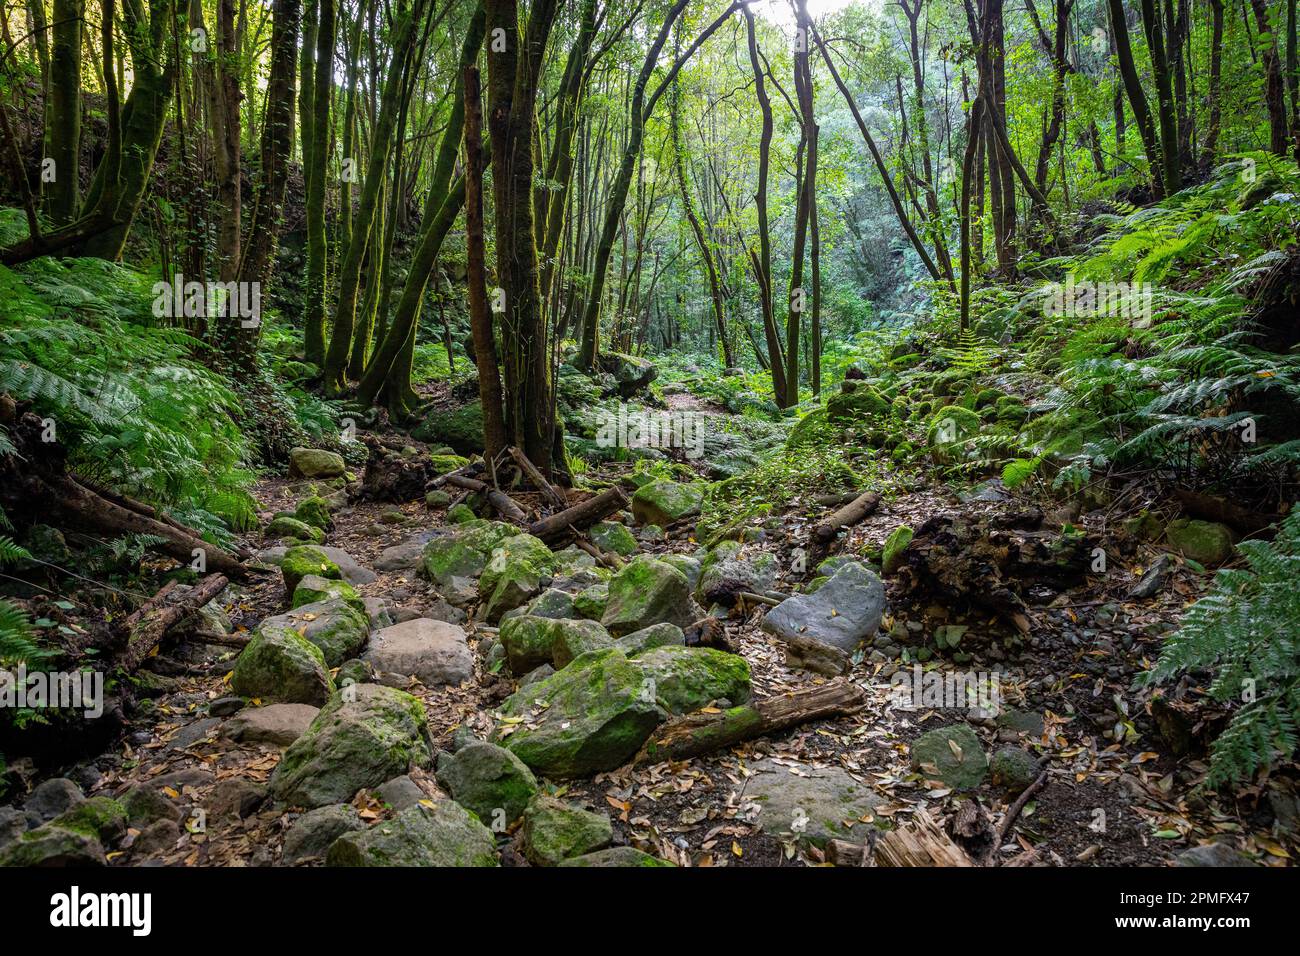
x=649, y=433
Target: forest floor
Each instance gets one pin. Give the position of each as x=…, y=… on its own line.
x=1114, y=794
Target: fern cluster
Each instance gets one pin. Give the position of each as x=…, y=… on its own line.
x=1246, y=633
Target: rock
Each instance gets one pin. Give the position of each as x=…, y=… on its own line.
x=234, y=798
x=434, y=651
x=379, y=614
x=312, y=833
x=647, y=592
x=315, y=463
x=49, y=845
x=535, y=675
x=1153, y=581
x=155, y=839
x=690, y=567
x=401, y=792
x=279, y=664
x=590, y=602
x=50, y=798
x=352, y=571
x=285, y=526
x=314, y=589
x=442, y=835
x=552, y=603
x=226, y=706
x=338, y=628
x=611, y=536
x=631, y=373
x=460, y=514
x=861, y=404
x=314, y=511
x=1213, y=854
x=554, y=831
x=519, y=568
x=891, y=558
x=300, y=561
x=453, y=561
x=572, y=638
x=684, y=679
x=146, y=804
x=353, y=743
x=490, y=782
x=819, y=658
x=461, y=429
x=355, y=672
x=278, y=724
x=440, y=610
x=1021, y=722
x=437, y=499
x=843, y=612
x=407, y=555
x=1013, y=769
x=616, y=856
x=648, y=638
x=591, y=716
x=817, y=804
x=952, y=755
x=730, y=568
x=527, y=642
x=12, y=825
x=100, y=817
x=663, y=502
x=1205, y=542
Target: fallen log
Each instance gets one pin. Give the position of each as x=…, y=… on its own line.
x=564, y=524
x=537, y=478
x=150, y=622
x=607, y=558
x=506, y=506
x=1209, y=508
x=853, y=513
x=921, y=842
x=701, y=733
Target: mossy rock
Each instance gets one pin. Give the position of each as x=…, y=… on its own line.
x=339, y=628
x=361, y=738
x=619, y=856
x=442, y=835
x=612, y=536
x=445, y=464
x=684, y=679
x=461, y=429
x=101, y=817
x=314, y=511
x=591, y=602
x=665, y=502
x=315, y=463
x=313, y=589
x=300, y=561
x=862, y=404
x=813, y=429
x=458, y=558
x=949, y=428
x=648, y=638
x=527, y=640
x=1013, y=769
x=285, y=526
x=952, y=755
x=554, y=831
x=460, y=514
x=1206, y=542
x=892, y=556
x=281, y=665
x=647, y=592
x=488, y=781
x=519, y=568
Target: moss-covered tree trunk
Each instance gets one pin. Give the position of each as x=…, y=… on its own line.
x=63, y=113
x=316, y=143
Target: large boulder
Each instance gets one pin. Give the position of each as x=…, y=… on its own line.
x=554, y=831
x=843, y=612
x=337, y=627
x=277, y=724
x=591, y=716
x=436, y=652
x=573, y=638
x=314, y=832
x=488, y=781
x=816, y=804
x=444, y=834
x=458, y=428
x=304, y=560
x=279, y=664
x=51, y=845
x=519, y=568
x=314, y=588
x=527, y=641
x=663, y=502
x=684, y=679
x=647, y=592
x=361, y=738
x=613, y=536
x=648, y=638
x=315, y=463
x=454, y=561
x=731, y=568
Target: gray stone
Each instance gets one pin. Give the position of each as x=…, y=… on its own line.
x=434, y=651
x=489, y=781
x=1153, y=580
x=617, y=856
x=226, y=706
x=234, y=797
x=648, y=638
x=843, y=612
x=1213, y=854
x=401, y=792
x=278, y=724
x=405, y=556
x=952, y=755
x=51, y=798
x=817, y=804
x=312, y=833
x=442, y=835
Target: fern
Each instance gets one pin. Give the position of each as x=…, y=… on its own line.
x=18, y=644
x=1246, y=632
